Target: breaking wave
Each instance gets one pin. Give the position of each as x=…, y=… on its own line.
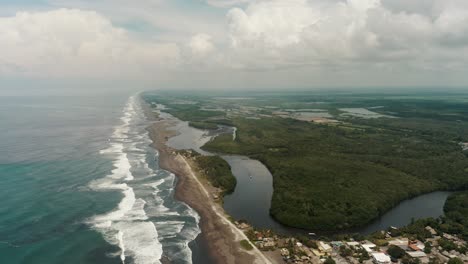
x=147, y=223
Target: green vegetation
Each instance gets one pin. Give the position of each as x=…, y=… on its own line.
x=456, y=214
x=192, y=113
x=327, y=177
x=345, y=251
x=363, y=255
x=329, y=260
x=184, y=108
x=346, y=174
x=246, y=245
x=217, y=171
x=455, y=261
x=453, y=222
x=396, y=252
x=427, y=247
x=410, y=260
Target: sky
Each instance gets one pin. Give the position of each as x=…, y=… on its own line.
x=105, y=45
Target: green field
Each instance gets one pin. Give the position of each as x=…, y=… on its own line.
x=331, y=176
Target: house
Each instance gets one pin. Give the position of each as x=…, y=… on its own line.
x=369, y=247
x=282, y=243
x=449, y=237
x=416, y=254
x=416, y=245
x=431, y=230
x=318, y=253
x=380, y=258
x=308, y=252
x=323, y=247
x=353, y=244
x=269, y=244
x=284, y=252
x=402, y=243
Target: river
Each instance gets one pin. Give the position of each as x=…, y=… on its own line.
x=251, y=199
x=423, y=206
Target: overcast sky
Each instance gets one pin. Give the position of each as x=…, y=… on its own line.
x=232, y=44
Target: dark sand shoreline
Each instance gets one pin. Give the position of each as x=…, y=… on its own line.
x=220, y=237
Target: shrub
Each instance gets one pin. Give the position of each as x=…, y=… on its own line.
x=455, y=261
x=246, y=245
x=396, y=252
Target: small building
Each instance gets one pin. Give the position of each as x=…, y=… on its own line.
x=284, y=252
x=416, y=245
x=308, y=252
x=258, y=236
x=244, y=225
x=325, y=248
x=353, y=244
x=318, y=253
x=431, y=230
x=380, y=258
x=403, y=243
x=449, y=237
x=282, y=242
x=416, y=254
x=369, y=247
x=269, y=244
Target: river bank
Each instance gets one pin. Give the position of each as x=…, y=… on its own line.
x=219, y=235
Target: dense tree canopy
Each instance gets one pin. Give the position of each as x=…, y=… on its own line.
x=347, y=173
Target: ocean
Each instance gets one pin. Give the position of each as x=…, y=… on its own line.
x=80, y=183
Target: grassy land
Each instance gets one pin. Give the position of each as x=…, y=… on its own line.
x=340, y=176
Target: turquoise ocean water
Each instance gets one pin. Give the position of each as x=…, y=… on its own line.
x=79, y=183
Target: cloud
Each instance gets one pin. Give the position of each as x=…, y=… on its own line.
x=279, y=33
x=72, y=42
x=226, y=3
x=201, y=44
x=309, y=39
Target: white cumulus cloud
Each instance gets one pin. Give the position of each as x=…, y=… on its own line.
x=71, y=42
x=201, y=44
x=373, y=41
x=313, y=32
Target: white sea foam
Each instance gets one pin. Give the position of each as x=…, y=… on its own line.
x=127, y=226
x=143, y=223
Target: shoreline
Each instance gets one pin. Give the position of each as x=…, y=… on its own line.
x=220, y=236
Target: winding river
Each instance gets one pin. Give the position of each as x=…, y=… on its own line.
x=251, y=199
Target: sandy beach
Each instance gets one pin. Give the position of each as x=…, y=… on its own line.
x=220, y=235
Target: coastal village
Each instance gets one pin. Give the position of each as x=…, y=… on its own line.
x=383, y=248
